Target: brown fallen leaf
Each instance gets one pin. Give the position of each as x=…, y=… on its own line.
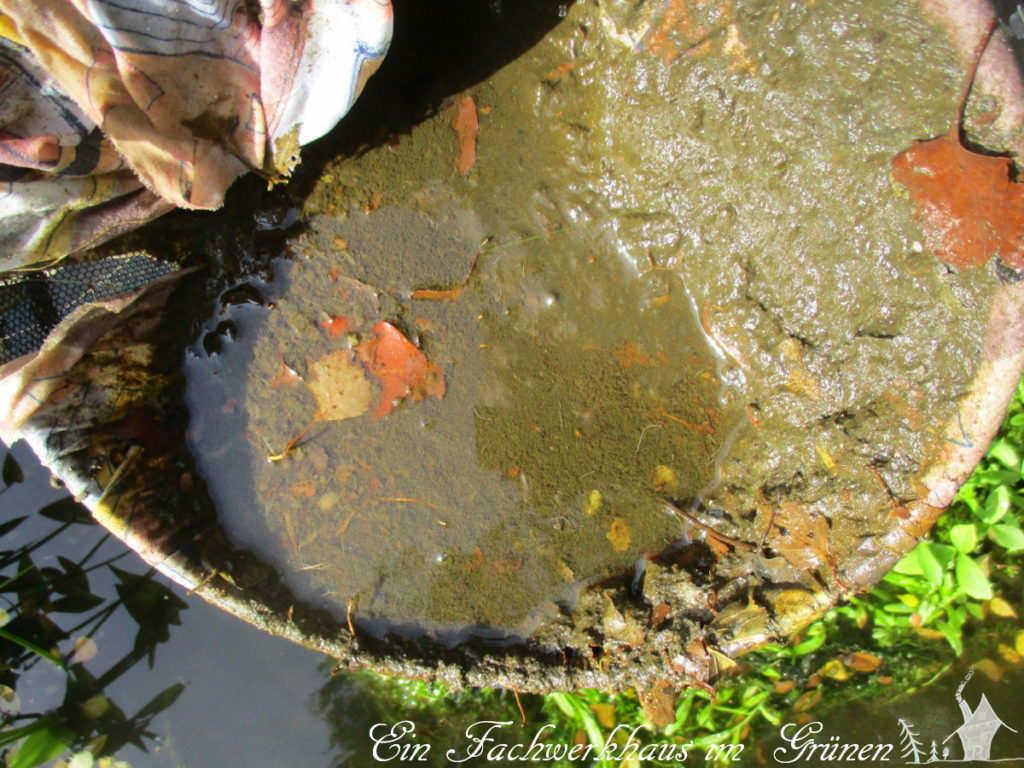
x=659, y=703
x=863, y=662
x=800, y=536
x=659, y=615
x=286, y=376
x=466, y=129
x=970, y=207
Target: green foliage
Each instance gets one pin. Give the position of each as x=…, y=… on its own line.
x=970, y=557
x=48, y=613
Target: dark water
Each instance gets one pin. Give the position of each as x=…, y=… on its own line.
x=255, y=700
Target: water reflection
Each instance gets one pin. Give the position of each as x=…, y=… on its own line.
x=74, y=625
x=454, y=467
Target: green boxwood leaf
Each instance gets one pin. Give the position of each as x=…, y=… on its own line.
x=971, y=578
x=908, y=566
x=964, y=537
x=1007, y=535
x=996, y=505
x=952, y=636
x=811, y=644
x=933, y=559
x=1005, y=453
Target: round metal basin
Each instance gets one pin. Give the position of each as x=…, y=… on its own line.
x=606, y=347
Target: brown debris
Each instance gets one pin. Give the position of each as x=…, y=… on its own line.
x=466, y=128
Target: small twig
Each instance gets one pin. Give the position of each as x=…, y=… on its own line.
x=721, y=537
x=203, y=582
x=133, y=453
x=408, y=500
x=644, y=432
x=346, y=521
x=348, y=617
x=294, y=441
x=522, y=713
x=449, y=294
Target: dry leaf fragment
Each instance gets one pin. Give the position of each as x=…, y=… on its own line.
x=659, y=615
x=863, y=662
x=340, y=386
x=286, y=376
x=800, y=536
x=336, y=326
x=400, y=367
x=659, y=703
x=466, y=129
x=620, y=628
x=968, y=204
x=620, y=535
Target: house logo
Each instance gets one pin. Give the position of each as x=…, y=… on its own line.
x=980, y=728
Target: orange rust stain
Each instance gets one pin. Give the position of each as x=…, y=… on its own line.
x=679, y=32
x=968, y=204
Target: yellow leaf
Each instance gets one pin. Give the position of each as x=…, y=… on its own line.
x=1009, y=654
x=990, y=669
x=605, y=714
x=835, y=669
x=1000, y=607
x=620, y=535
x=340, y=386
x=665, y=479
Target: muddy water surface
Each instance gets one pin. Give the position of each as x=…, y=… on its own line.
x=697, y=311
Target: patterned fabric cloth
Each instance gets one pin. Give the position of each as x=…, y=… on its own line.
x=114, y=112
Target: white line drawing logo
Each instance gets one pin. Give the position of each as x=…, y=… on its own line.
x=975, y=734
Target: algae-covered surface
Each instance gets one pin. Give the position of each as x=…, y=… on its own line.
x=632, y=347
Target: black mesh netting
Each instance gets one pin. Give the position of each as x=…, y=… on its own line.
x=32, y=303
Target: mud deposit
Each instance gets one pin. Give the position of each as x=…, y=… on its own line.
x=687, y=394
